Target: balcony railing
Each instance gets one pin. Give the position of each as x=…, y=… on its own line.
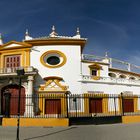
x=6, y=71
x=113, y=63
x=111, y=80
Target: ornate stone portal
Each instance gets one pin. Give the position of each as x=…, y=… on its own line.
x=52, y=93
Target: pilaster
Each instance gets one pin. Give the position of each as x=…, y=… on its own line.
x=29, y=108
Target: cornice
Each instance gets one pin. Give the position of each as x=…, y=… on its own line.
x=21, y=45
x=55, y=41
x=93, y=62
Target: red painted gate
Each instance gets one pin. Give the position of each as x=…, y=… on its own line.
x=95, y=105
x=14, y=91
x=128, y=105
x=52, y=106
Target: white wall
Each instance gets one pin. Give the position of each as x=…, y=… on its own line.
x=86, y=69
x=70, y=72
x=109, y=88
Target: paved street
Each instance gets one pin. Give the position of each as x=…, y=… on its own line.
x=87, y=132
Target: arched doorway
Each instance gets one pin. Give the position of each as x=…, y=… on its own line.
x=14, y=91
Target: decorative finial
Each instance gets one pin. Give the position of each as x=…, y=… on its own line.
x=26, y=33
x=27, y=37
x=77, y=34
x=106, y=54
x=53, y=28
x=106, y=58
x=78, y=31
x=53, y=33
x=1, y=41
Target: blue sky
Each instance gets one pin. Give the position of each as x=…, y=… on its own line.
x=109, y=25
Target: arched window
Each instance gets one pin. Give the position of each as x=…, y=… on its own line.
x=122, y=76
x=132, y=78
x=95, y=69
x=112, y=75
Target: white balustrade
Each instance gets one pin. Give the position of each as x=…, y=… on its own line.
x=89, y=78
x=14, y=69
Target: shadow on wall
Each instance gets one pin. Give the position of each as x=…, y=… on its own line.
x=38, y=81
x=0, y=120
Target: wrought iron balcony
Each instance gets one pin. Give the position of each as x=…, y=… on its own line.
x=109, y=80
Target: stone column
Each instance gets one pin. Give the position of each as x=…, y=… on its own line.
x=29, y=108
x=138, y=102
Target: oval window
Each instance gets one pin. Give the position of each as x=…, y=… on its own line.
x=53, y=59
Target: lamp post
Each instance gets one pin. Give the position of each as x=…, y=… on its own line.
x=20, y=73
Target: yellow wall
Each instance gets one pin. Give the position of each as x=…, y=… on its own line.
x=130, y=119
x=104, y=102
x=135, y=99
x=36, y=122
x=24, y=53
x=44, y=96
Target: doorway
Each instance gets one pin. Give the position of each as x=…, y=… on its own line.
x=95, y=105
x=14, y=91
x=128, y=105
x=52, y=106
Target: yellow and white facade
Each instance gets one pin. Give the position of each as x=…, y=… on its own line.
x=56, y=65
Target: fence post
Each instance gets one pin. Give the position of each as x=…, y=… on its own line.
x=122, y=104
x=95, y=106
x=0, y=106
x=115, y=105
x=75, y=101
x=67, y=115
x=7, y=103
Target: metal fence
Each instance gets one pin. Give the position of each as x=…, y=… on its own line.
x=66, y=106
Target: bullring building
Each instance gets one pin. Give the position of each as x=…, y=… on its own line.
x=55, y=67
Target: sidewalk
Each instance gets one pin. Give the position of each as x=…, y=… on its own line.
x=33, y=133
x=84, y=132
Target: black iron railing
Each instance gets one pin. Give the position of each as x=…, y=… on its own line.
x=66, y=106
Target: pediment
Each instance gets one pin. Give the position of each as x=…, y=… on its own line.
x=95, y=66
x=15, y=44
x=53, y=83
